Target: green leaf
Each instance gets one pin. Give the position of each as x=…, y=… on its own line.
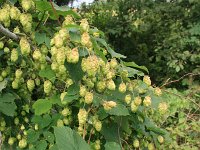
x=97, y=49
x=75, y=37
x=70, y=98
x=42, y=121
x=114, y=54
x=3, y=84
x=55, y=99
x=119, y=110
x=13, y=1
x=131, y=71
x=73, y=27
x=41, y=145
x=152, y=127
x=112, y=146
x=32, y=136
x=73, y=89
x=7, y=105
x=47, y=73
x=110, y=50
x=40, y=38
x=49, y=136
x=63, y=10
x=67, y=139
x=75, y=71
x=43, y=6
x=110, y=132
x=42, y=106
x=134, y=65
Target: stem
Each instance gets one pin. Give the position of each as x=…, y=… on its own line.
x=40, y=21
x=55, y=11
x=8, y=33
x=119, y=133
x=188, y=74
x=90, y=135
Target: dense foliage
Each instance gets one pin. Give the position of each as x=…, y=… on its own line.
x=162, y=35
x=63, y=87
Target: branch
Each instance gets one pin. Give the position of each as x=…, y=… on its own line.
x=13, y=36
x=173, y=81
x=8, y=33
x=55, y=11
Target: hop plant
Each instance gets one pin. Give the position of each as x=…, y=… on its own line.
x=88, y=97
x=68, y=20
x=97, y=145
x=113, y=63
x=5, y=14
x=18, y=73
x=157, y=91
x=109, y=105
x=101, y=86
x=11, y=140
x=60, y=57
x=85, y=40
x=25, y=46
x=73, y=56
x=22, y=143
x=151, y=146
x=60, y=123
x=90, y=65
x=58, y=41
x=136, y=143
x=137, y=100
x=65, y=112
x=147, y=101
x=15, y=84
x=84, y=25
x=37, y=54
x=147, y=80
x=111, y=85
x=160, y=139
x=134, y=107
x=27, y=4
x=98, y=125
x=14, y=55
x=162, y=107
x=82, y=116
x=64, y=33
x=82, y=91
x=1, y=44
x=30, y=85
x=127, y=98
x=122, y=87
x=14, y=13
x=47, y=86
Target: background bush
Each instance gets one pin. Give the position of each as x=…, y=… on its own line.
x=164, y=36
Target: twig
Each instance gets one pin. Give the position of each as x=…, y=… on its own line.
x=84, y=131
x=46, y=19
x=55, y=11
x=90, y=135
x=40, y=21
x=9, y=34
x=119, y=125
x=126, y=143
x=173, y=81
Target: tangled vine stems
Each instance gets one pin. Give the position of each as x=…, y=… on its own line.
x=167, y=82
